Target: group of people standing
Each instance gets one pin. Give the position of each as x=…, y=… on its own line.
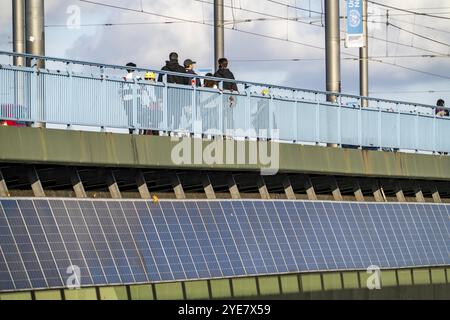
x=173, y=65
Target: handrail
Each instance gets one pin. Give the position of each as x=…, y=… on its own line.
x=246, y=83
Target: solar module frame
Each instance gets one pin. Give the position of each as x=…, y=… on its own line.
x=116, y=242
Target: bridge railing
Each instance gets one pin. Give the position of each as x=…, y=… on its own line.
x=78, y=93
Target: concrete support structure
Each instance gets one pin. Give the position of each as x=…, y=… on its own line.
x=288, y=189
x=178, y=187
x=142, y=186
x=399, y=193
x=335, y=190
x=219, y=34
x=419, y=195
x=233, y=187
x=3, y=187
x=359, y=195
x=35, y=183
x=435, y=193
x=364, y=60
x=18, y=9
x=262, y=187
x=77, y=184
x=113, y=186
x=208, y=187
x=310, y=191
x=377, y=192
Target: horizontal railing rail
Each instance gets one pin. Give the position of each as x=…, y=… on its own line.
x=74, y=95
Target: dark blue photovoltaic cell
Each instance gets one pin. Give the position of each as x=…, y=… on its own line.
x=126, y=242
x=101, y=245
x=40, y=243
x=70, y=240
x=24, y=244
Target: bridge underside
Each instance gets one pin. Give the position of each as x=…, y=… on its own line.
x=42, y=162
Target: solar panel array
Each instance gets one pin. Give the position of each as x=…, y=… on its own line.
x=128, y=242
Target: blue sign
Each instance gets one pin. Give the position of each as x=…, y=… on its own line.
x=355, y=31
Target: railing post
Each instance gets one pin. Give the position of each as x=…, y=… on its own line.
x=434, y=131
x=70, y=105
x=165, y=104
x=33, y=98
x=399, y=140
x=296, y=122
x=248, y=106
x=380, y=142
x=416, y=131
x=318, y=123
x=271, y=115
x=221, y=113
x=135, y=107
x=194, y=128
x=339, y=121
x=360, y=131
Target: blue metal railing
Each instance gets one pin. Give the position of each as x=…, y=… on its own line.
x=90, y=94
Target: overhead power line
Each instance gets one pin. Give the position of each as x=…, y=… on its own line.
x=295, y=7
x=346, y=59
x=418, y=35
x=411, y=91
x=256, y=34
x=423, y=14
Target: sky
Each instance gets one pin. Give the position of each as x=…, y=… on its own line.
x=148, y=45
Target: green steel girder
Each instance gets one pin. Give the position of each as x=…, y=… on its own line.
x=75, y=148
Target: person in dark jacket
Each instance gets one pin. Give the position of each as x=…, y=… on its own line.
x=225, y=73
x=189, y=66
x=440, y=111
x=173, y=66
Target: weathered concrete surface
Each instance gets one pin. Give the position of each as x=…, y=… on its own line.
x=60, y=147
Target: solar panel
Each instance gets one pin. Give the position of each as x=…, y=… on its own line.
x=128, y=242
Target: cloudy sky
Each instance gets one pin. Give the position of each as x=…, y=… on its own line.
x=146, y=38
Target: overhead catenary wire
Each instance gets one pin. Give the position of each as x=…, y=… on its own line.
x=256, y=34
x=423, y=14
x=419, y=35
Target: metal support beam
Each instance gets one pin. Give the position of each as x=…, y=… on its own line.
x=35, y=30
x=219, y=35
x=399, y=192
x=333, y=48
x=435, y=193
x=207, y=186
x=142, y=186
x=288, y=189
x=310, y=191
x=364, y=60
x=18, y=8
x=3, y=187
x=178, y=187
x=333, y=51
x=419, y=193
x=233, y=187
x=335, y=190
x=377, y=192
x=358, y=191
x=35, y=183
x=113, y=186
x=262, y=187
x=77, y=184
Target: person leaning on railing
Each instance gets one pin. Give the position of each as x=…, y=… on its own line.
x=225, y=73
x=173, y=66
x=189, y=66
x=210, y=83
x=440, y=111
